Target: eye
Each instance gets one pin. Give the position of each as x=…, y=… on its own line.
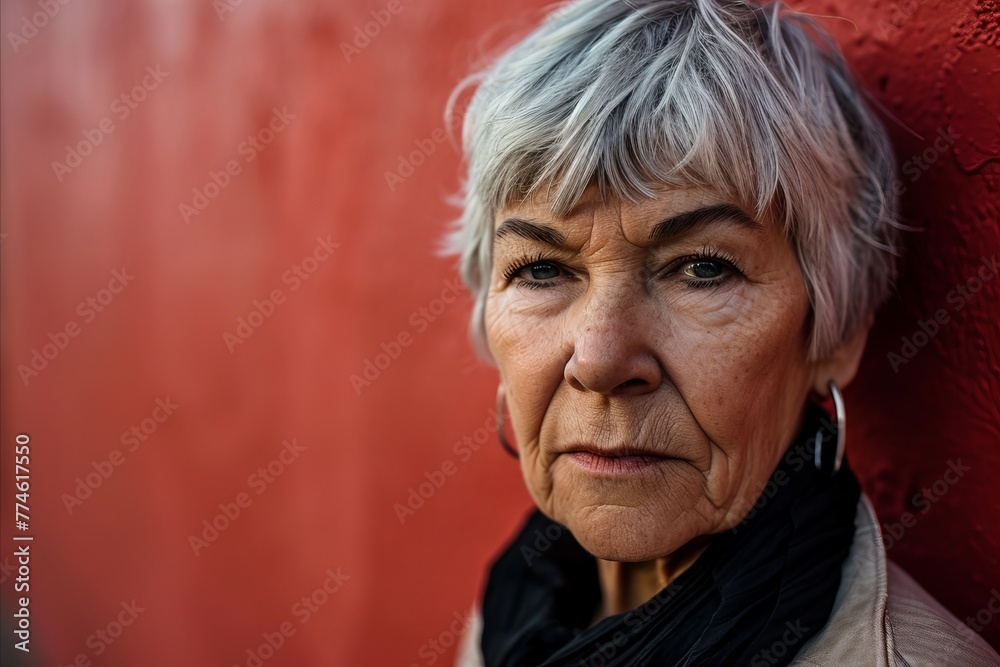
x=708, y=268
x=543, y=271
x=703, y=269
x=535, y=273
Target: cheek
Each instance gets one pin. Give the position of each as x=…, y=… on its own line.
x=531, y=363
x=529, y=359
x=744, y=377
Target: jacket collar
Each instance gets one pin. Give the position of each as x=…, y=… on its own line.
x=858, y=632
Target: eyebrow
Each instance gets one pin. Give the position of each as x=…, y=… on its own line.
x=529, y=230
x=669, y=228
x=699, y=217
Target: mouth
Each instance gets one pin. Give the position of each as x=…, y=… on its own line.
x=623, y=461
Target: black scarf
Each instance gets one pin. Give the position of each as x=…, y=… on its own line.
x=754, y=596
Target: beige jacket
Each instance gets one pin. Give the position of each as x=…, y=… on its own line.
x=881, y=618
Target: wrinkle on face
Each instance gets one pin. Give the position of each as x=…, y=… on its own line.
x=724, y=370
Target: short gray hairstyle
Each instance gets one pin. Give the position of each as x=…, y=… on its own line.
x=753, y=101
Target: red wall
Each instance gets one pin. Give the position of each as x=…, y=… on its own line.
x=333, y=504
x=928, y=405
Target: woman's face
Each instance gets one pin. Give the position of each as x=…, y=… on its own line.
x=654, y=359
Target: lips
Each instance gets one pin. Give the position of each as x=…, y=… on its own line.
x=613, y=452
x=617, y=461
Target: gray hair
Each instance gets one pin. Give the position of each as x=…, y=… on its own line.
x=753, y=101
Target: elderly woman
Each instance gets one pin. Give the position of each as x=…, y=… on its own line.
x=678, y=225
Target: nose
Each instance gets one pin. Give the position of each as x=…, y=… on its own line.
x=611, y=348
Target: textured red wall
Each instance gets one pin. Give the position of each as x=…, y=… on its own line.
x=340, y=208
x=926, y=406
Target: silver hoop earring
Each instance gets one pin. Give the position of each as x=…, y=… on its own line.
x=501, y=408
x=841, y=416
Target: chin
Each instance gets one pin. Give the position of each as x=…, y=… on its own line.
x=627, y=534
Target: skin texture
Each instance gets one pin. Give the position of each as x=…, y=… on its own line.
x=621, y=342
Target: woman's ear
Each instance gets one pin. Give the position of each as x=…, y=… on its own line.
x=842, y=365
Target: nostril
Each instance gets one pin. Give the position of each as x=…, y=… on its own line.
x=634, y=383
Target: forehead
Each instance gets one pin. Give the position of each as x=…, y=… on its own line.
x=595, y=220
x=591, y=202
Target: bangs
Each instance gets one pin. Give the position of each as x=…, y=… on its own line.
x=675, y=98
x=754, y=103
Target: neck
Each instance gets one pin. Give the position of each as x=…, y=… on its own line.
x=625, y=586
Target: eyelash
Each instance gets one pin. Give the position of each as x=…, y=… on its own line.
x=728, y=261
x=526, y=262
